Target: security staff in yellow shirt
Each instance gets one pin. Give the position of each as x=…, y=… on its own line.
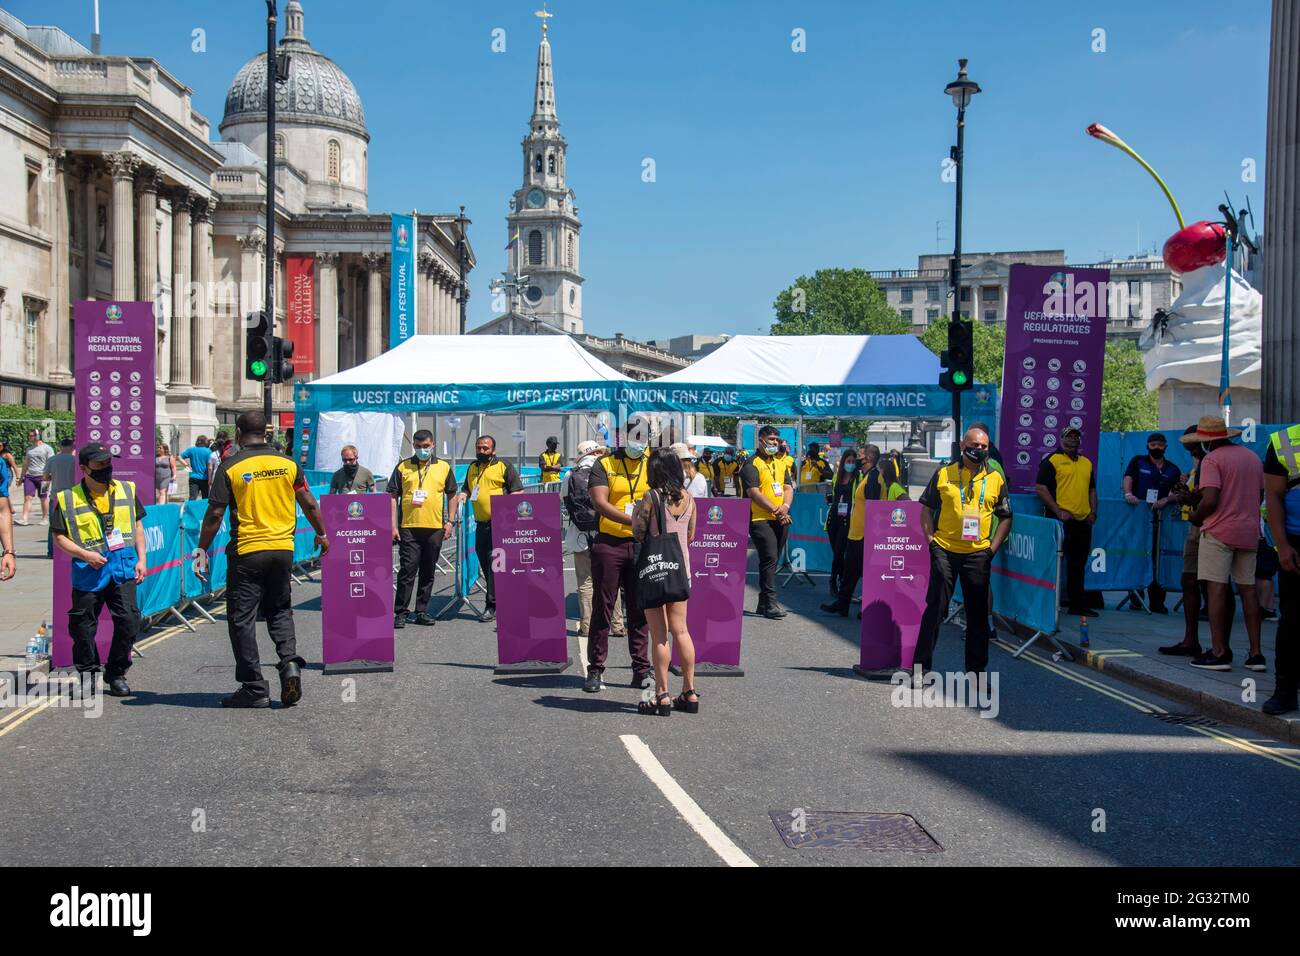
x=704, y=466
x=486, y=478
x=617, y=482
x=549, y=463
x=418, y=488
x=870, y=487
x=957, y=514
x=768, y=479
x=97, y=524
x=726, y=474
x=814, y=470
x=1067, y=486
x=260, y=486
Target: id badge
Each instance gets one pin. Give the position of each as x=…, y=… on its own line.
x=473, y=494
x=776, y=489
x=115, y=540
x=844, y=509
x=629, y=508
x=1152, y=496
x=970, y=527
x=418, y=497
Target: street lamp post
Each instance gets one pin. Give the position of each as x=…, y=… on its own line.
x=962, y=90
x=277, y=71
x=463, y=252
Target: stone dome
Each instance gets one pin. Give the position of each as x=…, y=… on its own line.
x=317, y=92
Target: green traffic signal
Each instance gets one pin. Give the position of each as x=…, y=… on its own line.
x=959, y=378
x=258, y=368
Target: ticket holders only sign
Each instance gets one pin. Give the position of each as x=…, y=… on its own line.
x=356, y=597
x=895, y=578
x=716, y=610
x=528, y=567
x=113, y=372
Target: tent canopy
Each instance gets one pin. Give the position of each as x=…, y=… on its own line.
x=473, y=373
x=843, y=376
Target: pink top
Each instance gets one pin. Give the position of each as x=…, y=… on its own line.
x=646, y=521
x=1239, y=475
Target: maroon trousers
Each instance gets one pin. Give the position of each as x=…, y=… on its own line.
x=613, y=565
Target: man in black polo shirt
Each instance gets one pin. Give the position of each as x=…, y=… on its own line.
x=1149, y=480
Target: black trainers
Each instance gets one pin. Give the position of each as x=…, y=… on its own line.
x=1181, y=650
x=836, y=607
x=1209, y=662
x=643, y=679
x=593, y=684
x=425, y=619
x=246, y=699
x=1255, y=663
x=1281, y=703
x=399, y=620
x=290, y=684
x=775, y=612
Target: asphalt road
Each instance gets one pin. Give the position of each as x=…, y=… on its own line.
x=441, y=762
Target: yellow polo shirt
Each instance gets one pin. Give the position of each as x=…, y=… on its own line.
x=483, y=482
x=770, y=477
x=434, y=478
x=955, y=488
x=1068, y=480
x=627, y=481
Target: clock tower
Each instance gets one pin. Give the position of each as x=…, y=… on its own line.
x=543, y=222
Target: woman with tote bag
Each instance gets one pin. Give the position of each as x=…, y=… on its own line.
x=663, y=526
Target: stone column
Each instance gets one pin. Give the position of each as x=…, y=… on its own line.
x=182, y=248
x=424, y=320
x=1281, y=345
x=122, y=167
x=90, y=204
x=56, y=339
x=202, y=304
x=147, y=183
x=251, y=291
x=327, y=294
x=374, y=304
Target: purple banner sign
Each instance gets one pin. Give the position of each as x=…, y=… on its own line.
x=718, y=552
x=356, y=596
x=895, y=577
x=113, y=369
x=1051, y=374
x=528, y=566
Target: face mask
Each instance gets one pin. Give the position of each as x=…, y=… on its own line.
x=728, y=457
x=635, y=449
x=102, y=475
x=977, y=455
x=424, y=454
x=850, y=467
x=350, y=468
x=771, y=449
x=483, y=458
x=1156, y=453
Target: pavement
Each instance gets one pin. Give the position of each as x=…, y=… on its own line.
x=442, y=762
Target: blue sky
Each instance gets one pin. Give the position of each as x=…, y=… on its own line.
x=769, y=163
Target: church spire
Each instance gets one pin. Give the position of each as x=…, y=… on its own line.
x=544, y=92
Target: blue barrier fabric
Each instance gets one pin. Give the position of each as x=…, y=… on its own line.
x=1116, y=449
x=315, y=476
x=161, y=588
x=304, y=535
x=1025, y=578
x=1123, y=531
x=191, y=521
x=1173, y=535
x=807, y=531
x=468, y=556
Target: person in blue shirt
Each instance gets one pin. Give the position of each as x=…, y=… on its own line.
x=1149, y=480
x=197, y=456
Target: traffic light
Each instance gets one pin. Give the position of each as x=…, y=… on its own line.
x=959, y=360
x=281, y=367
x=257, y=347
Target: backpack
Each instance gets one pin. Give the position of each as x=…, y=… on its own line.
x=578, y=501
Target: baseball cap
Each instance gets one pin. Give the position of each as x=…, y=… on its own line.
x=1070, y=428
x=94, y=452
x=1158, y=436
x=682, y=451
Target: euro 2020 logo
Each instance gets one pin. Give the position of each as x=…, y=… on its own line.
x=524, y=509
x=355, y=510
x=113, y=313
x=715, y=514
x=898, y=517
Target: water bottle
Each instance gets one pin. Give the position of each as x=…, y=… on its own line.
x=1083, y=631
x=33, y=649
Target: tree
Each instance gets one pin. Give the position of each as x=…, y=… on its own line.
x=1126, y=404
x=990, y=347
x=836, y=302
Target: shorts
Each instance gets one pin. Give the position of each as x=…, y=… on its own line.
x=35, y=486
x=1266, y=564
x=1216, y=561
x=1191, y=548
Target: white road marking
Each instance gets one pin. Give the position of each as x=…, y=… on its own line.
x=690, y=811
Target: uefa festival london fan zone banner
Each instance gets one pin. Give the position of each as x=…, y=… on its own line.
x=1052, y=372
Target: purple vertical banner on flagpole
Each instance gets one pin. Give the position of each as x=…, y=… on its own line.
x=113, y=375
x=528, y=566
x=1052, y=370
x=895, y=577
x=356, y=594
x=716, y=610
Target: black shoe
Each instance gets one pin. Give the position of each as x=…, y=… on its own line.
x=1255, y=663
x=245, y=698
x=399, y=620
x=1159, y=609
x=425, y=619
x=836, y=607
x=593, y=684
x=290, y=684
x=643, y=679
x=1181, y=650
x=489, y=615
x=1281, y=703
x=774, y=612
x=1267, y=615
x=1209, y=662
x=117, y=687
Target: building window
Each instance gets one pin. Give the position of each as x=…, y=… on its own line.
x=568, y=254
x=990, y=293
x=537, y=163
x=991, y=316
x=907, y=315
x=32, y=339
x=931, y=316
x=332, y=160
x=932, y=293
x=279, y=147
x=965, y=293
x=535, y=248
x=906, y=294
x=550, y=163
x=33, y=195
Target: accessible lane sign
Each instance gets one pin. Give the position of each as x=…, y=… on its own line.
x=356, y=595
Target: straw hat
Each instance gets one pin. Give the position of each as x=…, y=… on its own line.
x=1210, y=428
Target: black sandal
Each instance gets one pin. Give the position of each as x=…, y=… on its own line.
x=660, y=706
x=689, y=706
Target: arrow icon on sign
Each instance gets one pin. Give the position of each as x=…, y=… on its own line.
x=517, y=571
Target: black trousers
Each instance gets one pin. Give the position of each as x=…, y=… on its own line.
x=483, y=548
x=852, y=572
x=1288, y=627
x=417, y=551
x=1076, y=546
x=837, y=532
x=83, y=622
x=947, y=567
x=769, y=541
x=198, y=488
x=261, y=583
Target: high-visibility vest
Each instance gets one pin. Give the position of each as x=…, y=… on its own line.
x=86, y=530
x=772, y=475
x=550, y=466
x=1286, y=446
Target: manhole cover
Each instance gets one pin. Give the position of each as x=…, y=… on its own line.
x=1187, y=720
x=833, y=829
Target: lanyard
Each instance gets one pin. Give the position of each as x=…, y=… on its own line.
x=482, y=470
x=420, y=473
x=104, y=519
x=961, y=494
x=627, y=476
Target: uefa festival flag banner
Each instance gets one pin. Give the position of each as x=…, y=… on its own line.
x=1052, y=371
x=300, y=294
x=528, y=569
x=401, y=301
